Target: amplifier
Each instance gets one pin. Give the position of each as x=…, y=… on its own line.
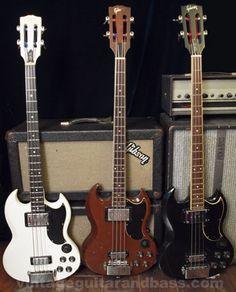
x=219, y=94
x=220, y=161
x=75, y=158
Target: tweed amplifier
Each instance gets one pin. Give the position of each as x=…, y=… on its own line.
x=220, y=161
x=219, y=94
x=75, y=158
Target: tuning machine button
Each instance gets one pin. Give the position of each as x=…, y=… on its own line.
x=42, y=29
x=107, y=18
x=204, y=17
x=179, y=19
x=107, y=35
x=18, y=42
x=131, y=34
x=42, y=42
x=205, y=32
x=131, y=19
x=18, y=28
x=181, y=34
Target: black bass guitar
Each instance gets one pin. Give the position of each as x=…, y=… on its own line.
x=195, y=245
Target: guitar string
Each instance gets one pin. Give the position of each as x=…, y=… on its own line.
x=31, y=95
x=118, y=153
x=191, y=170
x=29, y=151
x=124, y=142
x=37, y=185
x=203, y=165
x=40, y=233
x=114, y=165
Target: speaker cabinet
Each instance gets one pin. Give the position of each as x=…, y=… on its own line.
x=220, y=161
x=75, y=158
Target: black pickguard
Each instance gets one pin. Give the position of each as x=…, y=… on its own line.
x=215, y=246
x=56, y=221
x=138, y=212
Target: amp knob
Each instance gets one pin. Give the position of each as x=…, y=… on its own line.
x=187, y=96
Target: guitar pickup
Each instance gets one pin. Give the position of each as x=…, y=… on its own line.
x=44, y=260
x=118, y=214
x=190, y=216
x=36, y=219
x=118, y=255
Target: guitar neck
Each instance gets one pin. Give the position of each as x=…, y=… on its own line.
x=33, y=142
x=197, y=144
x=119, y=134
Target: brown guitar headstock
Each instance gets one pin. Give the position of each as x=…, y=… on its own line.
x=119, y=33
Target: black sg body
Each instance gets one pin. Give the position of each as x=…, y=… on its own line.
x=210, y=248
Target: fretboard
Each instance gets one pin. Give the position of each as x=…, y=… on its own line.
x=119, y=135
x=197, y=145
x=33, y=143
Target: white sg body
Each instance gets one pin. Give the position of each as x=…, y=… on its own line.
x=27, y=242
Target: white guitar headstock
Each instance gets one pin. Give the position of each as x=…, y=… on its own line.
x=30, y=41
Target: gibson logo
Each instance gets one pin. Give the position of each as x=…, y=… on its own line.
x=191, y=7
x=116, y=10
x=133, y=149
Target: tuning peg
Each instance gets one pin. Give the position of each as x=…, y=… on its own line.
x=107, y=18
x=131, y=34
x=18, y=28
x=18, y=42
x=43, y=29
x=131, y=19
x=181, y=34
x=179, y=19
x=42, y=42
x=107, y=35
x=204, y=17
x=205, y=32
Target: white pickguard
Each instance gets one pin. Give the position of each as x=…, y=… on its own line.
x=33, y=241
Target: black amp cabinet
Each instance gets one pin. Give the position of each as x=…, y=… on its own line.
x=220, y=161
x=74, y=158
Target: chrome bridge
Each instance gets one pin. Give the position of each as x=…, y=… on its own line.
x=118, y=214
x=193, y=217
x=197, y=271
x=43, y=260
x=118, y=268
x=41, y=277
x=36, y=219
